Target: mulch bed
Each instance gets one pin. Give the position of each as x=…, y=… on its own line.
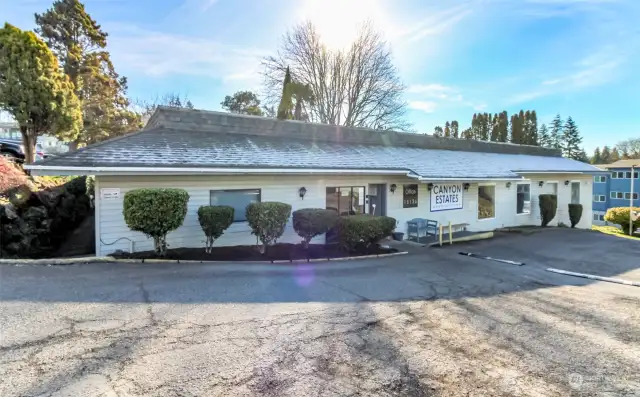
x=291, y=252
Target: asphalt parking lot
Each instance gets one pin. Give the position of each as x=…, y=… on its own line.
x=432, y=323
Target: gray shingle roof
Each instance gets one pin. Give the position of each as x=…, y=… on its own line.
x=170, y=147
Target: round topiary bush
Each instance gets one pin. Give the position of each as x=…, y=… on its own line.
x=214, y=220
x=268, y=221
x=356, y=231
x=313, y=222
x=155, y=212
x=620, y=216
x=548, y=205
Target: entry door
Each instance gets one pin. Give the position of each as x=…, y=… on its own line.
x=377, y=196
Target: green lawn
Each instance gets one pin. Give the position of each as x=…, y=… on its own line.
x=614, y=231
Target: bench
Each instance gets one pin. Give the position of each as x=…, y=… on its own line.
x=416, y=226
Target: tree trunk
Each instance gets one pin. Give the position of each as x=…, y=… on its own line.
x=29, y=143
x=73, y=146
x=298, y=110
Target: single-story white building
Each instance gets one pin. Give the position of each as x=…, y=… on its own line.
x=230, y=159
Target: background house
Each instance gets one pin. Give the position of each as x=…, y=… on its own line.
x=614, y=188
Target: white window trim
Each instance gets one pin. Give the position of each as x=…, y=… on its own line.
x=600, y=177
x=495, y=194
x=597, y=197
x=530, y=193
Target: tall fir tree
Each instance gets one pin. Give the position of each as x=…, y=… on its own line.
x=555, y=135
x=467, y=134
x=605, y=155
x=455, y=129
x=532, y=129
x=503, y=130
x=437, y=131
x=495, y=128
x=596, y=158
x=286, y=102
x=615, y=155
x=79, y=43
x=447, y=130
x=544, y=139
x=475, y=126
x=571, y=140
x=517, y=133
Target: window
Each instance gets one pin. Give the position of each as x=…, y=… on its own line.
x=617, y=195
x=598, y=198
x=600, y=179
x=617, y=175
x=347, y=200
x=523, y=198
x=486, y=202
x=627, y=196
x=598, y=217
x=575, y=192
x=238, y=199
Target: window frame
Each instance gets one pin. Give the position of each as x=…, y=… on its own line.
x=600, y=179
x=529, y=201
x=237, y=190
x=494, y=201
x=616, y=193
x=628, y=196
x=599, y=198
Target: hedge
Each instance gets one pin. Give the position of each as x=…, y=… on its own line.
x=155, y=212
x=575, y=213
x=214, y=220
x=268, y=221
x=313, y=222
x=548, y=205
x=620, y=216
x=356, y=231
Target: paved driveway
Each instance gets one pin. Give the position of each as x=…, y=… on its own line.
x=430, y=324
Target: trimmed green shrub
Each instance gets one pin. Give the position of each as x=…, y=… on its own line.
x=548, y=205
x=155, y=212
x=356, y=231
x=214, y=220
x=267, y=221
x=575, y=213
x=313, y=222
x=620, y=216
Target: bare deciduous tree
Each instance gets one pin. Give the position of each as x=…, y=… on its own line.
x=357, y=87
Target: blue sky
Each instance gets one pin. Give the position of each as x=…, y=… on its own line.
x=579, y=58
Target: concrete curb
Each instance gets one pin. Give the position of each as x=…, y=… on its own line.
x=59, y=261
x=109, y=259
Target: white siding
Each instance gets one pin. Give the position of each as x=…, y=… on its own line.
x=110, y=225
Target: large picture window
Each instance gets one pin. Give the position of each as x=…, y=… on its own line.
x=486, y=202
x=523, y=202
x=238, y=199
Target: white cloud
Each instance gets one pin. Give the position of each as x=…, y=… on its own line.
x=425, y=106
x=432, y=91
x=439, y=27
x=160, y=54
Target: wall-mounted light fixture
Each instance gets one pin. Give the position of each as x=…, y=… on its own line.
x=429, y=186
x=566, y=183
x=393, y=187
x=466, y=186
x=540, y=183
x=302, y=191
x=508, y=185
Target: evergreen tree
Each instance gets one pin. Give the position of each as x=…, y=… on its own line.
x=605, y=156
x=242, y=102
x=34, y=90
x=615, y=155
x=467, y=134
x=447, y=130
x=582, y=156
x=475, y=126
x=503, y=127
x=544, y=139
x=555, y=136
x=455, y=129
x=495, y=128
x=517, y=128
x=596, y=159
x=532, y=128
x=79, y=43
x=286, y=103
x=437, y=131
x=571, y=140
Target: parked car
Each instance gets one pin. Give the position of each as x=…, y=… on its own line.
x=14, y=150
